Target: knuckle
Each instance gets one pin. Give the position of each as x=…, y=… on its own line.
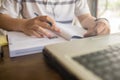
x=43, y=30
x=35, y=21
x=48, y=26
x=46, y=17
x=45, y=25
x=36, y=27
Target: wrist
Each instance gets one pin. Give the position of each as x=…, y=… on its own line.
x=88, y=22
x=103, y=20
x=22, y=24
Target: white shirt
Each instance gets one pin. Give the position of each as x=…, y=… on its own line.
x=60, y=10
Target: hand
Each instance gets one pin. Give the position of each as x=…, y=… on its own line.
x=38, y=26
x=101, y=27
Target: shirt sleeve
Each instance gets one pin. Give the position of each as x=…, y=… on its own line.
x=81, y=7
x=10, y=7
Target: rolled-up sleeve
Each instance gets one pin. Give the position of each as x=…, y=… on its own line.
x=81, y=7
x=10, y=7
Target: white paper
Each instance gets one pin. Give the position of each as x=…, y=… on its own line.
x=21, y=44
x=69, y=31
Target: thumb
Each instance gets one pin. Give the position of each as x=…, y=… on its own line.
x=89, y=33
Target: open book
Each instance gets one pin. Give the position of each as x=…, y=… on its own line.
x=70, y=32
x=21, y=44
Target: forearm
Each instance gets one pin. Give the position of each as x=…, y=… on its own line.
x=87, y=21
x=8, y=23
x=94, y=26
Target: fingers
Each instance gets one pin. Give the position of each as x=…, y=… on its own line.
x=46, y=19
x=41, y=30
x=102, y=29
x=37, y=31
x=55, y=28
x=40, y=26
x=47, y=26
x=99, y=29
x=33, y=33
x=47, y=22
x=90, y=33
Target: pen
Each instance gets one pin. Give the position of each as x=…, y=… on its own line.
x=47, y=21
x=50, y=23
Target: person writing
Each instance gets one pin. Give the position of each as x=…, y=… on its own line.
x=40, y=15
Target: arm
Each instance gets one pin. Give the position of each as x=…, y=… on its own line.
x=33, y=27
x=8, y=23
x=93, y=26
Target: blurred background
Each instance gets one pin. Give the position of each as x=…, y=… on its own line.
x=109, y=9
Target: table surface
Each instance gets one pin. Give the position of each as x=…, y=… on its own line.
x=29, y=67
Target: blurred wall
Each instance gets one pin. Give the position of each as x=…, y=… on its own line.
x=0, y=2
x=93, y=7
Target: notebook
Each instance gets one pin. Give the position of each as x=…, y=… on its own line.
x=93, y=58
x=21, y=44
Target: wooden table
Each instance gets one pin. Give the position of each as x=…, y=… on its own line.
x=29, y=67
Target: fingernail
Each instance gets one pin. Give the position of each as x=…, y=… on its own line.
x=49, y=35
x=56, y=29
x=53, y=37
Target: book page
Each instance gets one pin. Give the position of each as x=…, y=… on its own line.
x=68, y=31
x=21, y=44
